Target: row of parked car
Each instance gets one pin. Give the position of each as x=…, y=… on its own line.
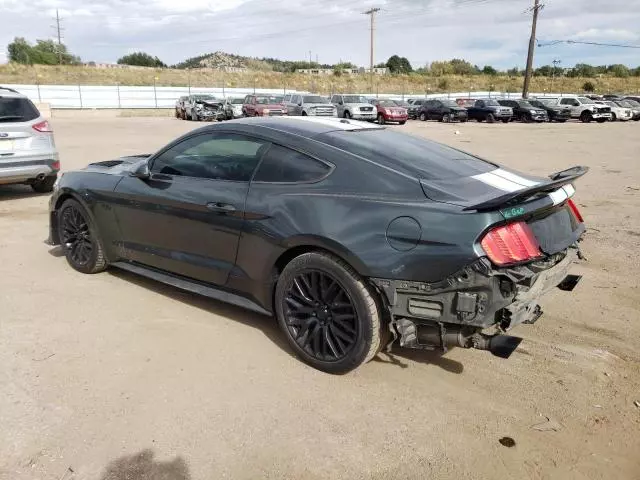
x=547, y=109
x=207, y=107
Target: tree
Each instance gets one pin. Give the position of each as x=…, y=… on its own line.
x=397, y=64
x=462, y=67
x=489, y=70
x=582, y=70
x=514, y=72
x=141, y=59
x=45, y=52
x=589, y=87
x=619, y=70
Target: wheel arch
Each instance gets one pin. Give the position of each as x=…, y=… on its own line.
x=62, y=197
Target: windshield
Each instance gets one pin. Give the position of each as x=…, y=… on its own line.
x=269, y=100
x=401, y=103
x=611, y=104
x=631, y=103
x=449, y=103
x=524, y=104
x=354, y=99
x=545, y=101
x=203, y=97
x=413, y=155
x=491, y=103
x=17, y=110
x=387, y=103
x=584, y=100
x=314, y=99
x=236, y=101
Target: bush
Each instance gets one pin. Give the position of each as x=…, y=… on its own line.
x=589, y=87
x=443, y=84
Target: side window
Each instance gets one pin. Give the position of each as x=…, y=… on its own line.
x=282, y=164
x=246, y=99
x=334, y=99
x=479, y=103
x=220, y=156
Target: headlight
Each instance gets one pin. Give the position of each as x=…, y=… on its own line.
x=265, y=111
x=533, y=111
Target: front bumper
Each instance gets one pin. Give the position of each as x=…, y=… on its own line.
x=596, y=116
x=364, y=115
x=478, y=297
x=396, y=118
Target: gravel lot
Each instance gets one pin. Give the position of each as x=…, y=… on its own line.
x=114, y=377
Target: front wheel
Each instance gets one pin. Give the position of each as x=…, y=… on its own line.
x=329, y=316
x=381, y=120
x=585, y=117
x=446, y=118
x=423, y=117
x=347, y=115
x=601, y=120
x=79, y=238
x=506, y=120
x=403, y=122
x=614, y=117
x=45, y=185
x=491, y=118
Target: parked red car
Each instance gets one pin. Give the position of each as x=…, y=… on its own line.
x=389, y=111
x=264, y=105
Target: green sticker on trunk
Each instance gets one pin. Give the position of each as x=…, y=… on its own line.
x=512, y=212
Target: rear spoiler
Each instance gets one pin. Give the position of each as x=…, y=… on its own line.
x=558, y=180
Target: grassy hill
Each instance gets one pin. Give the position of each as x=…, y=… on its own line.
x=409, y=84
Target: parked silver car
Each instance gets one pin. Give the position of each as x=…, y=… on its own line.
x=234, y=106
x=28, y=153
x=310, y=105
x=354, y=106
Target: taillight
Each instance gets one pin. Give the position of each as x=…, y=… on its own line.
x=512, y=243
x=42, y=127
x=56, y=165
x=574, y=209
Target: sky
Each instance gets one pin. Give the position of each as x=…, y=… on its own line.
x=484, y=32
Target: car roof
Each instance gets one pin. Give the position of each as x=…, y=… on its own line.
x=10, y=92
x=305, y=126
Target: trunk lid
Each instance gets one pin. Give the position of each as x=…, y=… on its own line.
x=540, y=202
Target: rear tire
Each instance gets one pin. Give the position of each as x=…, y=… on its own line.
x=329, y=316
x=79, y=238
x=45, y=185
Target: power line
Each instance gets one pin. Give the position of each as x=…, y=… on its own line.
x=598, y=44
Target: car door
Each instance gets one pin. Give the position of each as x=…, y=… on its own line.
x=437, y=110
x=337, y=101
x=573, y=105
x=186, y=217
x=297, y=104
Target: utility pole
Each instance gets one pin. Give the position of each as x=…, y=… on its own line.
x=537, y=6
x=310, y=60
x=59, y=34
x=372, y=14
x=555, y=62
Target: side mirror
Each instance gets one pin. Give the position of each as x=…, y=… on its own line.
x=141, y=171
x=300, y=104
x=340, y=102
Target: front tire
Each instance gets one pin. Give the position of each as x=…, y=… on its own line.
x=614, y=117
x=423, y=117
x=506, y=120
x=347, y=115
x=403, y=122
x=45, y=185
x=79, y=238
x=491, y=118
x=585, y=117
x=329, y=316
x=381, y=120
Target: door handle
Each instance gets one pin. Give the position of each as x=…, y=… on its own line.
x=221, y=207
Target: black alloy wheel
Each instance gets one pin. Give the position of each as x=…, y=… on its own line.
x=78, y=239
x=321, y=316
x=327, y=312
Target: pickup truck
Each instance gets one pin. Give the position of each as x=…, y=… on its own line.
x=309, y=105
x=585, y=109
x=489, y=110
x=354, y=106
x=525, y=112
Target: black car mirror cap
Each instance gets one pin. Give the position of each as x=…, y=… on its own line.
x=141, y=171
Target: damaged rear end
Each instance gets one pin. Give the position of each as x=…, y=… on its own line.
x=526, y=250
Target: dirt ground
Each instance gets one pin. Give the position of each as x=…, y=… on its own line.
x=114, y=377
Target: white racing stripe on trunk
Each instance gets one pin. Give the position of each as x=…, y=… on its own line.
x=514, y=178
x=496, y=181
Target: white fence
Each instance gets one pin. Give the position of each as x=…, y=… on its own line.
x=118, y=96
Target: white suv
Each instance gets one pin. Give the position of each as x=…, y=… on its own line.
x=354, y=106
x=28, y=153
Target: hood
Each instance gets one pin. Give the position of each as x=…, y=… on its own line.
x=272, y=106
x=317, y=105
x=117, y=166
